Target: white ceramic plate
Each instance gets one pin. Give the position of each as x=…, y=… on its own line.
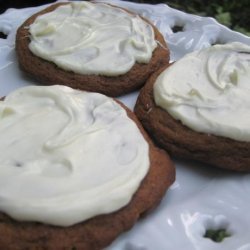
x=202, y=197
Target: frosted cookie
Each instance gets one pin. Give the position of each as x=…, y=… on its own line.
x=90, y=46
x=198, y=108
x=76, y=169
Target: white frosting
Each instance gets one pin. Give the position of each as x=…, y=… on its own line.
x=191, y=193
x=209, y=90
x=67, y=155
x=89, y=38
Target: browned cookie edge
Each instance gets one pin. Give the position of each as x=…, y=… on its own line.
x=182, y=142
x=99, y=231
x=48, y=73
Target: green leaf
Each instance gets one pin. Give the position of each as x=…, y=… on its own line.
x=217, y=235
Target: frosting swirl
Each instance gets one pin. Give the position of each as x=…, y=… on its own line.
x=67, y=155
x=92, y=38
x=209, y=90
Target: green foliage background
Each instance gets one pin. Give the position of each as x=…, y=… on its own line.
x=233, y=13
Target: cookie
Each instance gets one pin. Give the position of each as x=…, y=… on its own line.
x=66, y=232
x=194, y=117
x=113, y=66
